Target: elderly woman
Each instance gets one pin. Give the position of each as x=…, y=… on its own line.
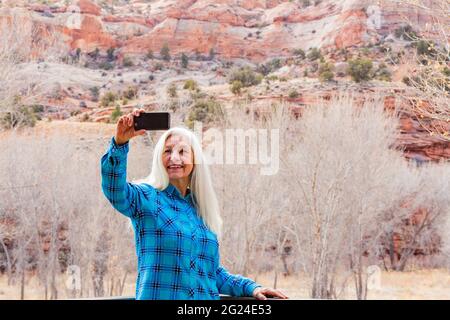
x=175, y=217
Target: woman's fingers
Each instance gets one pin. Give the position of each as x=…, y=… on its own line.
x=260, y=296
x=130, y=119
x=140, y=132
x=278, y=293
x=122, y=121
x=271, y=293
x=134, y=113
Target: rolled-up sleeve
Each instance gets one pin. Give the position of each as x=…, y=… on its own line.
x=122, y=195
x=234, y=284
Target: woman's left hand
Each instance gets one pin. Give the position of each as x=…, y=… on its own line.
x=262, y=293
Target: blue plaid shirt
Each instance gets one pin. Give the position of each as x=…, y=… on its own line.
x=178, y=256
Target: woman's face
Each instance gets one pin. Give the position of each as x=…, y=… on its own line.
x=178, y=158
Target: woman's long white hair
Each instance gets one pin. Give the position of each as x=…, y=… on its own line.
x=202, y=190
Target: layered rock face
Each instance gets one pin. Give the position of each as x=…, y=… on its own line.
x=253, y=29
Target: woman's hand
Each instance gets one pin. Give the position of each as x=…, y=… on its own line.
x=261, y=293
x=125, y=127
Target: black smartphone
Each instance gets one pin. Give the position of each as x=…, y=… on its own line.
x=152, y=121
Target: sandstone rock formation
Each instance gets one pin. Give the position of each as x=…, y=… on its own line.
x=254, y=29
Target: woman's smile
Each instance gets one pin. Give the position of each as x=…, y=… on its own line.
x=175, y=167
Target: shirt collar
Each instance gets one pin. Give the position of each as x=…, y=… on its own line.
x=171, y=189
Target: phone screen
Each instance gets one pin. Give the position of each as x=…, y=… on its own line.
x=152, y=121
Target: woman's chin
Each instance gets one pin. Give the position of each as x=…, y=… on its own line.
x=176, y=175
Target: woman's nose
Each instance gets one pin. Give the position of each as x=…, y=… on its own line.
x=174, y=156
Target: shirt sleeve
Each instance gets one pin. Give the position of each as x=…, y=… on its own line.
x=234, y=284
x=123, y=195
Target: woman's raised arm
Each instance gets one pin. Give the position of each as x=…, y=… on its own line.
x=121, y=194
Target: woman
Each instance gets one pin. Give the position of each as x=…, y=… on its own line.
x=175, y=217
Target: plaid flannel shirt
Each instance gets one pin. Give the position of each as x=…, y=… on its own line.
x=178, y=255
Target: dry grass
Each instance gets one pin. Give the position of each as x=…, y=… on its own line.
x=419, y=284
x=61, y=127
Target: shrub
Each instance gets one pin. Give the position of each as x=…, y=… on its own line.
x=326, y=71
x=110, y=54
x=116, y=114
x=94, y=54
x=184, y=60
x=446, y=71
x=236, y=87
x=383, y=73
x=95, y=92
x=271, y=78
x=299, y=53
x=190, y=84
x=149, y=54
x=269, y=67
x=127, y=62
x=172, y=90
x=198, y=95
x=108, y=99
x=293, y=94
x=130, y=93
x=314, y=67
x=22, y=117
x=305, y=3
x=425, y=48
x=360, y=69
x=406, y=80
x=314, y=54
x=405, y=33
x=246, y=76
x=106, y=65
x=205, y=110
x=212, y=54
x=78, y=53
x=37, y=108
x=365, y=51
x=165, y=52
x=84, y=117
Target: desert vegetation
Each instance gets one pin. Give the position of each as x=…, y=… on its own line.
x=342, y=198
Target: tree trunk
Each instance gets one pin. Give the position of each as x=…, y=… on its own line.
x=22, y=285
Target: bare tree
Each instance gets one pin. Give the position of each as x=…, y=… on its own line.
x=24, y=42
x=53, y=197
x=428, y=208
x=430, y=73
x=345, y=173
x=251, y=226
